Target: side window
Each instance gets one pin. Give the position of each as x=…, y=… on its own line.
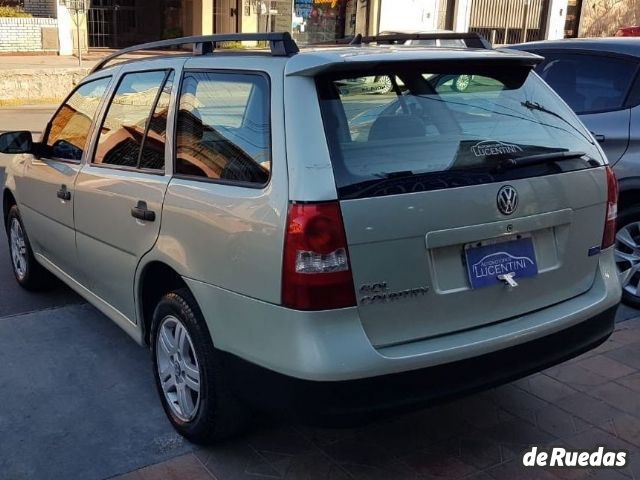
x=123, y=136
x=223, y=130
x=588, y=83
x=69, y=128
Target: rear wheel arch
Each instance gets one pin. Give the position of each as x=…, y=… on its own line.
x=629, y=196
x=156, y=280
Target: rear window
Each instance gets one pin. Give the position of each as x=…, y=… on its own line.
x=413, y=129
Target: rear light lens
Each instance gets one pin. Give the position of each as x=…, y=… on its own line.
x=316, y=274
x=609, y=236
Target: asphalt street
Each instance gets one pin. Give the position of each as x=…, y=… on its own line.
x=77, y=394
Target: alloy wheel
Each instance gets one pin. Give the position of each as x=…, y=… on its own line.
x=18, y=246
x=462, y=83
x=627, y=256
x=178, y=369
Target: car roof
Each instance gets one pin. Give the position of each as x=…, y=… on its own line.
x=619, y=45
x=311, y=60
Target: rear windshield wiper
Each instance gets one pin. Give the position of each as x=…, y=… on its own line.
x=539, y=159
x=540, y=108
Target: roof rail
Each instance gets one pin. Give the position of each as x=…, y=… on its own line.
x=281, y=44
x=471, y=39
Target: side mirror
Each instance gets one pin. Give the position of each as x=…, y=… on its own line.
x=16, y=142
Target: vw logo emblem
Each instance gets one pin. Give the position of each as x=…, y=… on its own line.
x=507, y=200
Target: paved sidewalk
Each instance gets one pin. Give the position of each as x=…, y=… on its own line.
x=590, y=401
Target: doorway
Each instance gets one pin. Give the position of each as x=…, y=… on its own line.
x=225, y=16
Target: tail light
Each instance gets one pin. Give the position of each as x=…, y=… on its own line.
x=316, y=274
x=609, y=236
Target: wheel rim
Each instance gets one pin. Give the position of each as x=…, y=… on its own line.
x=627, y=255
x=18, y=249
x=178, y=368
x=462, y=82
x=387, y=85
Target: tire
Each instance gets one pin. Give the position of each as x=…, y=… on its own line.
x=387, y=84
x=461, y=83
x=29, y=274
x=627, y=257
x=182, y=349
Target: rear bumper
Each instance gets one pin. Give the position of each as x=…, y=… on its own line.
x=351, y=399
x=332, y=346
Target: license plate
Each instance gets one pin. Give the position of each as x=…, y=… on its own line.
x=489, y=260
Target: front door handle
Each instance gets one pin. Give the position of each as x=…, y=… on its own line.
x=599, y=137
x=142, y=212
x=63, y=193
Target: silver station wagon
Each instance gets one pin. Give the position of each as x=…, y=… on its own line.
x=283, y=242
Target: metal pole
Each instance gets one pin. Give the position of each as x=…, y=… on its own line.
x=525, y=18
x=78, y=34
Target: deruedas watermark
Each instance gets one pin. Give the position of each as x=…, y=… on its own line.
x=601, y=457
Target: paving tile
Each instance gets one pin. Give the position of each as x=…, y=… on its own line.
x=631, y=381
x=629, y=355
x=358, y=451
x=558, y=422
x=279, y=439
x=626, y=334
x=236, y=461
x=607, y=367
x=618, y=396
x=514, y=432
x=627, y=427
x=518, y=402
x=480, y=453
x=515, y=470
x=590, y=409
x=437, y=465
x=392, y=471
x=180, y=468
x=314, y=466
x=480, y=410
x=547, y=388
x=576, y=376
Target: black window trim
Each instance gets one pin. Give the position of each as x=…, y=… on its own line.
x=222, y=181
x=151, y=171
x=45, y=135
x=598, y=53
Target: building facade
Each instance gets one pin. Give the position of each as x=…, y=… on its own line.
x=119, y=23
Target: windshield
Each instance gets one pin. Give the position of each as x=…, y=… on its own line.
x=415, y=129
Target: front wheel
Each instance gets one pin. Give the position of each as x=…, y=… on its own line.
x=627, y=255
x=28, y=272
x=190, y=378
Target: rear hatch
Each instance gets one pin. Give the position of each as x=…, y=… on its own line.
x=470, y=194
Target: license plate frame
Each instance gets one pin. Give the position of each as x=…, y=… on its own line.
x=487, y=259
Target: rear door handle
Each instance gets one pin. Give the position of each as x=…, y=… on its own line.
x=599, y=137
x=63, y=193
x=142, y=212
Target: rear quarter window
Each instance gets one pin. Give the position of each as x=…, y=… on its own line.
x=223, y=130
x=587, y=82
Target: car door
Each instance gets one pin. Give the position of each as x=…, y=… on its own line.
x=47, y=186
x=630, y=165
x=596, y=86
x=120, y=189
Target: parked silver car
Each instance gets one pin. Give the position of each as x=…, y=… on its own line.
x=218, y=208
x=599, y=79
